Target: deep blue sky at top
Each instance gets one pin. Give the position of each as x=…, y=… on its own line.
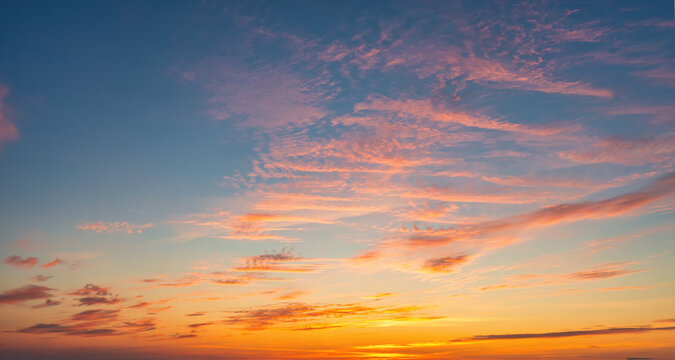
x=107, y=124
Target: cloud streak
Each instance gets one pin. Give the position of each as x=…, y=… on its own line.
x=611, y=207
x=563, y=334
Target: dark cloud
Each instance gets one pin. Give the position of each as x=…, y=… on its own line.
x=28, y=292
x=95, y=295
x=97, y=322
x=198, y=325
x=41, y=278
x=276, y=262
x=98, y=300
x=231, y=281
x=284, y=255
x=94, y=332
x=44, y=329
x=48, y=302
x=97, y=315
x=561, y=334
x=147, y=324
x=445, y=264
x=594, y=274
x=90, y=289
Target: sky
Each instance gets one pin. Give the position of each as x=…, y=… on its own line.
x=337, y=180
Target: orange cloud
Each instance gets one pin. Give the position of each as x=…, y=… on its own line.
x=53, y=263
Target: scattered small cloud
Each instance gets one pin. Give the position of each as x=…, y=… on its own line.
x=47, y=303
x=114, y=227
x=53, y=263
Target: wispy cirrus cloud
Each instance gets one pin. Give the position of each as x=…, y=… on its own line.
x=459, y=52
x=599, y=272
x=660, y=76
x=262, y=96
x=628, y=151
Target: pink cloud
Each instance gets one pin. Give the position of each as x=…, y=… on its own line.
x=18, y=261
x=628, y=151
x=611, y=207
x=599, y=272
x=660, y=76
